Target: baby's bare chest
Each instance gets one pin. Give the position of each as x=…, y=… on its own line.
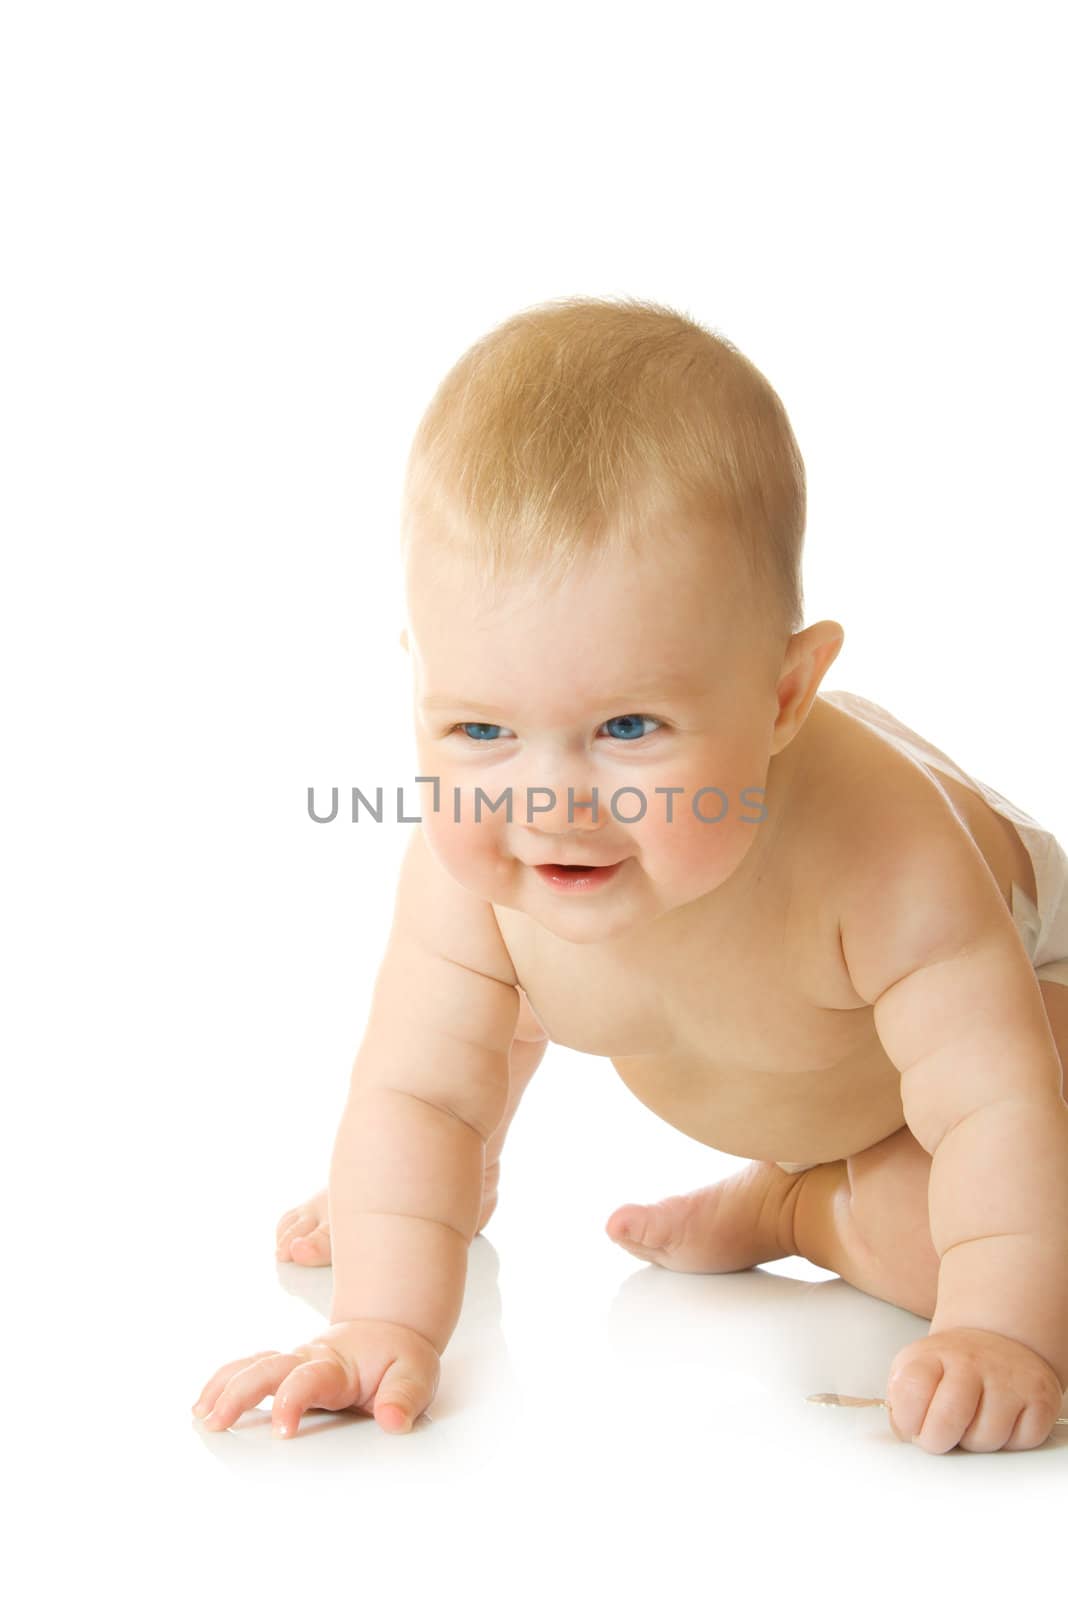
x=744, y=1032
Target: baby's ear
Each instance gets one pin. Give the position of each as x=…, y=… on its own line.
x=404, y=639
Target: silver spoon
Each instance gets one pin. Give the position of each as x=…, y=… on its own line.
x=855, y=1400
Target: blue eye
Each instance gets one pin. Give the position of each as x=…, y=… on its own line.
x=631, y=726
x=626, y=729
x=487, y=731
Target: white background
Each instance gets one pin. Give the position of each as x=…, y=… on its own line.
x=243, y=243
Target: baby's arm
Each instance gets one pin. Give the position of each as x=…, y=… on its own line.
x=929, y=942
x=428, y=1089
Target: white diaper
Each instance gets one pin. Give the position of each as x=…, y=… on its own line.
x=1042, y=927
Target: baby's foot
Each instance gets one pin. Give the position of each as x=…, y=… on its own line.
x=303, y=1234
x=738, y=1222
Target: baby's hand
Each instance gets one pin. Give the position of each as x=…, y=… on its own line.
x=381, y=1367
x=966, y=1386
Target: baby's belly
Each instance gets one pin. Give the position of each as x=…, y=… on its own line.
x=814, y=1116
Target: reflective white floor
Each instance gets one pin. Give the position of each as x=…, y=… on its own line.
x=599, y=1421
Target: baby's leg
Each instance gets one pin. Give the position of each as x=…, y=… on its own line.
x=303, y=1234
x=865, y=1218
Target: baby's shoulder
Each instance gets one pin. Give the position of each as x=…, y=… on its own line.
x=914, y=871
x=859, y=796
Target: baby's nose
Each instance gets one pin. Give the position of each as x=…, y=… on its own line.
x=551, y=811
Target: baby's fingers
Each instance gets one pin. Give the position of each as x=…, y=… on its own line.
x=218, y=1381
x=322, y=1382
x=255, y=1377
x=405, y=1391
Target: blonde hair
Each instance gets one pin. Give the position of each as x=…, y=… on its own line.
x=557, y=434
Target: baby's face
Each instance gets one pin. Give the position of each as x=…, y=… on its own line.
x=640, y=672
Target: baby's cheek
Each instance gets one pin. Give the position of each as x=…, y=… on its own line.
x=706, y=841
x=463, y=848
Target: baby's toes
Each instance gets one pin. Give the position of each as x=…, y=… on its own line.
x=300, y=1222
x=291, y=1223
x=312, y=1249
x=653, y=1233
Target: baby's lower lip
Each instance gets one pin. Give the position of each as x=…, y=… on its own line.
x=576, y=880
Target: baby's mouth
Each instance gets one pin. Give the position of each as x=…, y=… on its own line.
x=578, y=877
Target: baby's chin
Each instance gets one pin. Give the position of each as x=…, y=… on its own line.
x=609, y=913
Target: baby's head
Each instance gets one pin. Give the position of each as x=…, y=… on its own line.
x=602, y=528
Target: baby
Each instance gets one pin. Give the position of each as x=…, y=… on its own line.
x=801, y=933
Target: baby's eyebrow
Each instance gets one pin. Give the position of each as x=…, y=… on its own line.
x=449, y=702
x=675, y=688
